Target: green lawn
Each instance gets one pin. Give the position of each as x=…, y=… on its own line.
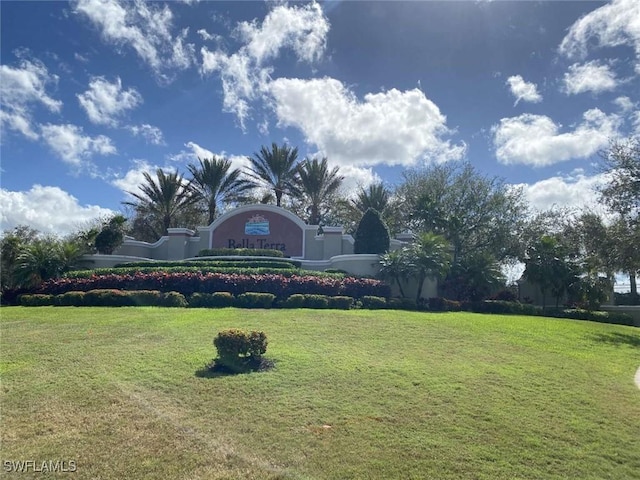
x=354, y=394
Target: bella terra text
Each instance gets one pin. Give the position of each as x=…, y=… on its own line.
x=257, y=243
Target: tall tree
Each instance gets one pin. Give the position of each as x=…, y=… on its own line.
x=275, y=168
x=621, y=193
x=475, y=213
x=163, y=202
x=317, y=184
x=216, y=184
x=621, y=162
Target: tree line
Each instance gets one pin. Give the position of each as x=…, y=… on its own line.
x=476, y=223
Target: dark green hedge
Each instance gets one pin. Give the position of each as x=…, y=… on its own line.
x=219, y=262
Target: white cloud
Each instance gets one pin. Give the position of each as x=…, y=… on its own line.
x=589, y=77
x=151, y=134
x=143, y=26
x=48, y=209
x=20, y=89
x=614, y=24
x=72, y=146
x=522, y=90
x=244, y=75
x=576, y=190
x=206, y=36
x=624, y=103
x=392, y=128
x=355, y=178
x=536, y=139
x=131, y=181
x=195, y=152
x=104, y=102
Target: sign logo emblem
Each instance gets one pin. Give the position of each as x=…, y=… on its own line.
x=256, y=225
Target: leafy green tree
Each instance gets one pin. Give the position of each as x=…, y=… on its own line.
x=275, y=168
x=111, y=235
x=215, y=184
x=375, y=196
x=317, y=186
x=430, y=256
x=372, y=235
x=162, y=203
x=547, y=265
x=396, y=266
x=621, y=193
x=473, y=278
x=475, y=213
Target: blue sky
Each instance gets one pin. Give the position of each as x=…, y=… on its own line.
x=95, y=92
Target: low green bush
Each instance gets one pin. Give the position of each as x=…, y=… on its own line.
x=255, y=300
x=36, y=300
x=107, y=298
x=373, y=303
x=441, y=304
x=341, y=302
x=145, y=298
x=240, y=351
x=70, y=299
x=173, y=299
x=211, y=300
x=593, y=316
x=402, y=304
x=244, y=252
x=316, y=301
x=294, y=301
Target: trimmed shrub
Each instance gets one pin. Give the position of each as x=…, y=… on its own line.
x=296, y=300
x=70, y=299
x=145, y=298
x=373, y=303
x=173, y=299
x=340, y=302
x=211, y=300
x=402, y=304
x=502, y=307
x=441, y=304
x=316, y=301
x=243, y=252
x=255, y=300
x=107, y=298
x=372, y=235
x=36, y=300
x=240, y=351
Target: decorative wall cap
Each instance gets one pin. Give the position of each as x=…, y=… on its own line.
x=180, y=231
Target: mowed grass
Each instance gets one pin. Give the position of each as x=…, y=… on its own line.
x=354, y=394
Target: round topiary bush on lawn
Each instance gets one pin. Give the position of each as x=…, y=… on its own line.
x=240, y=351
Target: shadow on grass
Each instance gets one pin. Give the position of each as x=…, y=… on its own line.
x=214, y=369
x=618, y=339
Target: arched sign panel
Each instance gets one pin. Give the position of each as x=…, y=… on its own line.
x=259, y=229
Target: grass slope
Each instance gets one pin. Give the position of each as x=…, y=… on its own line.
x=355, y=394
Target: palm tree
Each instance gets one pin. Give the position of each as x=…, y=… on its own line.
x=376, y=196
x=430, y=257
x=163, y=201
x=214, y=183
x=317, y=184
x=396, y=266
x=275, y=168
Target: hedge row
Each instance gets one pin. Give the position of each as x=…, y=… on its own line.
x=115, y=297
x=123, y=298
x=219, y=262
x=288, y=272
x=245, y=252
x=188, y=283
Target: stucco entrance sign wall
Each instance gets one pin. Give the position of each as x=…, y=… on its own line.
x=259, y=227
